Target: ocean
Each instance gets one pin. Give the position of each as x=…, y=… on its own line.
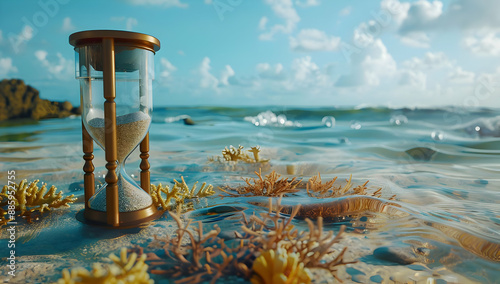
x=440, y=165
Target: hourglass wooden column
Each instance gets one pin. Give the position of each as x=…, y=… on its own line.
x=88, y=167
x=145, y=176
x=108, y=68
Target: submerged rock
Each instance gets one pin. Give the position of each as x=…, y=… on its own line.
x=401, y=255
x=421, y=153
x=18, y=100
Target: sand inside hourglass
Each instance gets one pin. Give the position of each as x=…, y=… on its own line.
x=130, y=129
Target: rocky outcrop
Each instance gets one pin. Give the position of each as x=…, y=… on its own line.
x=18, y=100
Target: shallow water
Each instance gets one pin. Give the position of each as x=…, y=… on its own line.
x=441, y=164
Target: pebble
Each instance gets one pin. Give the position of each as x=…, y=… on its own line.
x=423, y=251
x=353, y=271
x=359, y=278
x=76, y=186
x=376, y=278
x=417, y=267
x=481, y=181
x=188, y=121
x=356, y=275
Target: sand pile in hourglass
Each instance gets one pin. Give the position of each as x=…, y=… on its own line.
x=130, y=130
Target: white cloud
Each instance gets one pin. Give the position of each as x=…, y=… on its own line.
x=167, y=68
x=210, y=81
x=304, y=68
x=207, y=81
x=307, y=73
x=208, y=2
x=314, y=40
x=363, y=35
x=18, y=41
x=307, y=3
x=263, y=23
x=421, y=15
x=267, y=71
x=27, y=33
x=414, y=72
x=67, y=25
x=478, y=20
x=6, y=67
x=413, y=78
x=431, y=60
x=62, y=69
x=471, y=15
x=485, y=43
x=346, y=11
x=226, y=74
x=458, y=75
x=369, y=66
x=416, y=39
x=284, y=10
x=161, y=3
x=131, y=22
x=489, y=81
x=378, y=63
x=41, y=55
x=398, y=10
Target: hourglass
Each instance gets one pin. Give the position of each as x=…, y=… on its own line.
x=115, y=70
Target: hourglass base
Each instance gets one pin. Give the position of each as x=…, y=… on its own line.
x=126, y=219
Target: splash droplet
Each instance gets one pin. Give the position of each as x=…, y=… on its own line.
x=355, y=124
x=281, y=119
x=437, y=135
x=328, y=121
x=398, y=119
x=344, y=140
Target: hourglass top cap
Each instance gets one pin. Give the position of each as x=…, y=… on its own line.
x=92, y=37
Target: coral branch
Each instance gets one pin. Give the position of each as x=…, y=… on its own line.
x=124, y=269
x=29, y=200
x=233, y=154
x=271, y=185
x=269, y=247
x=178, y=194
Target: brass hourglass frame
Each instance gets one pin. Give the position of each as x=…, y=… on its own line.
x=108, y=39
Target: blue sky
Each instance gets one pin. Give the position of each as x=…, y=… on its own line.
x=274, y=52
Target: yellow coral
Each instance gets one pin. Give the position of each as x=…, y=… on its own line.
x=279, y=267
x=255, y=151
x=29, y=198
x=180, y=192
x=188, y=194
x=233, y=154
x=124, y=269
x=158, y=200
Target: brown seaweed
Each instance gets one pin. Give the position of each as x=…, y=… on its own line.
x=316, y=188
x=271, y=185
